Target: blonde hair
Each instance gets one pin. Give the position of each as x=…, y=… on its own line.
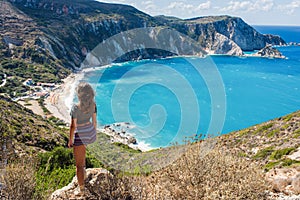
x=86, y=96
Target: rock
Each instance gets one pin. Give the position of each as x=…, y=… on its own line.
x=295, y=155
x=280, y=184
x=223, y=45
x=269, y=51
x=296, y=184
x=285, y=180
x=132, y=140
x=94, y=178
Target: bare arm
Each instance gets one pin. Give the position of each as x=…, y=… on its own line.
x=94, y=120
x=72, y=130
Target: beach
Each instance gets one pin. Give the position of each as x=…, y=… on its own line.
x=60, y=100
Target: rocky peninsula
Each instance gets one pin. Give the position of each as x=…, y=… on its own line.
x=270, y=52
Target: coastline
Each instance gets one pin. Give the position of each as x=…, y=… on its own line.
x=60, y=101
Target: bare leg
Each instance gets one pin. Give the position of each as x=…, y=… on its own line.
x=79, y=154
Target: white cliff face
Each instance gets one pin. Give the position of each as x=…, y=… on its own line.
x=223, y=45
x=47, y=46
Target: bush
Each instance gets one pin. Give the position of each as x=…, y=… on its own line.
x=57, y=169
x=214, y=176
x=19, y=181
x=281, y=152
x=264, y=153
x=193, y=176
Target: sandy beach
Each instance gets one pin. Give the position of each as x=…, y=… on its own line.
x=60, y=100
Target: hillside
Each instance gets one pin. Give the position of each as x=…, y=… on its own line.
x=228, y=160
x=45, y=40
x=23, y=132
x=260, y=162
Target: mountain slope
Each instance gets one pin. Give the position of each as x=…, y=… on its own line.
x=226, y=167
x=46, y=39
x=73, y=28
x=21, y=131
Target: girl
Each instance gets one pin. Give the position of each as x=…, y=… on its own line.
x=83, y=128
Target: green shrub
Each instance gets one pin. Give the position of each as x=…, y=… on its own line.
x=60, y=157
x=272, y=133
x=263, y=128
x=271, y=165
x=57, y=168
x=281, y=152
x=126, y=147
x=263, y=153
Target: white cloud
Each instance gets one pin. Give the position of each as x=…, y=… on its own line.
x=180, y=5
x=187, y=8
x=237, y=6
x=204, y=6
x=289, y=8
x=263, y=5
x=257, y=5
x=149, y=5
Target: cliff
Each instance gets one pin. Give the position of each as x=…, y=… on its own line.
x=65, y=31
x=208, y=30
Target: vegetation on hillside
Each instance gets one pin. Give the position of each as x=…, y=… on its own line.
x=233, y=169
x=26, y=131
x=268, y=143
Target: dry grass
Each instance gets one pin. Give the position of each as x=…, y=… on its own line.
x=195, y=175
x=19, y=181
x=212, y=176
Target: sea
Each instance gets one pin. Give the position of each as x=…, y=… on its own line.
x=173, y=100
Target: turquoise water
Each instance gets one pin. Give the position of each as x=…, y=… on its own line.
x=170, y=99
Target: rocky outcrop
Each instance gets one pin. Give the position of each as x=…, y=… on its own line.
x=94, y=178
x=223, y=45
x=270, y=52
x=285, y=180
x=204, y=30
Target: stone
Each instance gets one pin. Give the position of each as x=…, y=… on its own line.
x=285, y=180
x=296, y=184
x=94, y=177
x=132, y=140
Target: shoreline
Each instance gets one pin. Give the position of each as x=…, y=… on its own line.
x=60, y=101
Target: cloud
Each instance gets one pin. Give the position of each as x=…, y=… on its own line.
x=290, y=7
x=180, y=5
x=188, y=8
x=149, y=5
x=204, y=6
x=237, y=6
x=257, y=5
x=263, y=5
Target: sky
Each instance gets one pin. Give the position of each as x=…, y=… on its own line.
x=254, y=12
